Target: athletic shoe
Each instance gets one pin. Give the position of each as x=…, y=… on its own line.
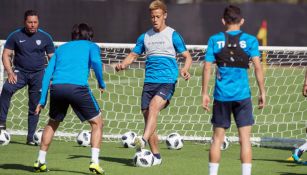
x=40, y=167
x=95, y=168
x=157, y=161
x=140, y=143
x=31, y=143
x=297, y=153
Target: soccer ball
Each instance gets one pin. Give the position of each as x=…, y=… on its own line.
x=225, y=144
x=37, y=137
x=4, y=137
x=128, y=139
x=84, y=138
x=174, y=141
x=143, y=158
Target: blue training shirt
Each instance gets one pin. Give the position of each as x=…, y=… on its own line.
x=234, y=83
x=30, y=49
x=160, y=49
x=71, y=64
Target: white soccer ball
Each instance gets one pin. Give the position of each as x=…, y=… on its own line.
x=225, y=144
x=174, y=141
x=128, y=139
x=5, y=137
x=37, y=137
x=143, y=158
x=84, y=138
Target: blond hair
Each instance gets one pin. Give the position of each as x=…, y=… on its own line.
x=158, y=4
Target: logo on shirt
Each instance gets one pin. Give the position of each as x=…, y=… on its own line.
x=21, y=41
x=38, y=42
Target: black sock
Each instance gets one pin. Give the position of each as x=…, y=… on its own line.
x=158, y=156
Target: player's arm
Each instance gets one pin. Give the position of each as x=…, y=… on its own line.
x=127, y=61
x=184, y=72
x=180, y=47
x=50, y=49
x=209, y=59
x=6, y=59
x=205, y=79
x=132, y=56
x=96, y=64
x=45, y=84
x=260, y=80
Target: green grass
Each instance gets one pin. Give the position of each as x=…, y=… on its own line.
x=69, y=158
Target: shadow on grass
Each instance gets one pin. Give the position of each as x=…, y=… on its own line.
x=125, y=161
x=30, y=168
x=16, y=167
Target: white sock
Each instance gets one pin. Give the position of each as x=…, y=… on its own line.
x=42, y=156
x=303, y=147
x=95, y=155
x=213, y=168
x=246, y=168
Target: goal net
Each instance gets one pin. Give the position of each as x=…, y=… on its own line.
x=281, y=123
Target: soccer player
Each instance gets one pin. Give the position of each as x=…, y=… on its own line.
x=161, y=72
x=29, y=45
x=298, y=152
x=69, y=69
x=232, y=51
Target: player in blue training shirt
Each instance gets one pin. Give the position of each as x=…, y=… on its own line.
x=298, y=152
x=161, y=72
x=232, y=51
x=30, y=46
x=69, y=69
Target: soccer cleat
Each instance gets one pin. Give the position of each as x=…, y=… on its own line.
x=157, y=161
x=95, y=168
x=139, y=143
x=297, y=153
x=31, y=143
x=40, y=167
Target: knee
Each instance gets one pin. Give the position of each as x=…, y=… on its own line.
x=7, y=89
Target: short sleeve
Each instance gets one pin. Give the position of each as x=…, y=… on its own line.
x=50, y=46
x=254, y=49
x=209, y=57
x=10, y=42
x=178, y=42
x=139, y=46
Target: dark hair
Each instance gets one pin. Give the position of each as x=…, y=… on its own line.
x=232, y=15
x=30, y=13
x=82, y=31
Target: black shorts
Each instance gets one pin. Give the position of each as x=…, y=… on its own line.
x=164, y=90
x=242, y=111
x=79, y=97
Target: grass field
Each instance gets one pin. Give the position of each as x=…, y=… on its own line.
x=67, y=158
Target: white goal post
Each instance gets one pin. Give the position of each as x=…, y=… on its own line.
x=281, y=123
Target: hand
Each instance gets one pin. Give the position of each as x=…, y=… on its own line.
x=38, y=109
x=12, y=78
x=101, y=90
x=185, y=74
x=120, y=67
x=261, y=101
x=305, y=90
x=206, y=101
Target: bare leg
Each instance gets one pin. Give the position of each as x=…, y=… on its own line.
x=246, y=147
x=215, y=148
x=97, y=125
x=151, y=117
x=48, y=134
